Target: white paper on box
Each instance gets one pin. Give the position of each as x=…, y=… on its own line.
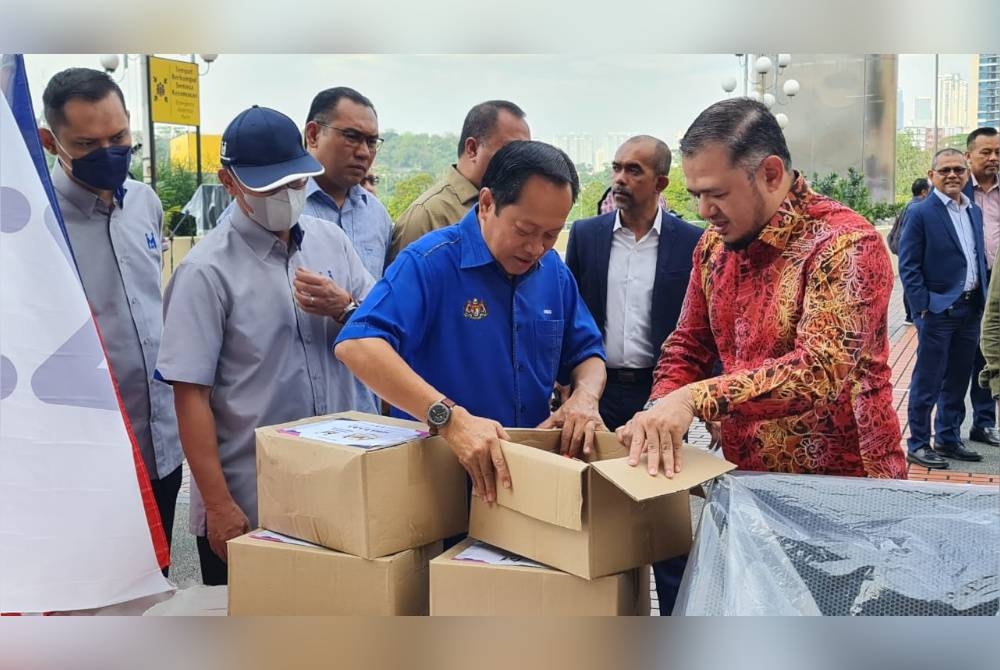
x=354, y=433
x=484, y=553
x=271, y=536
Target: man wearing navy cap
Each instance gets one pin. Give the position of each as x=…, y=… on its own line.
x=472, y=324
x=245, y=344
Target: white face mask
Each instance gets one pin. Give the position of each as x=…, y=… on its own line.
x=278, y=212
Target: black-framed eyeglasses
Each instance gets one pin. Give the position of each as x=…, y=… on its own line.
x=372, y=179
x=957, y=169
x=354, y=138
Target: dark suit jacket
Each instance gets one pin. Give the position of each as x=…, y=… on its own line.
x=931, y=263
x=589, y=253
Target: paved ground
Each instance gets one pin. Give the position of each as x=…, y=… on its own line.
x=185, y=571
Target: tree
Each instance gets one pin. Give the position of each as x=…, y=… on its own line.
x=406, y=191
x=678, y=199
x=852, y=191
x=175, y=186
x=911, y=163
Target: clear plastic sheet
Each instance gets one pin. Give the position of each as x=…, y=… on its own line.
x=773, y=544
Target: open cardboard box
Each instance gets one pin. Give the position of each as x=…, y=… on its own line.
x=369, y=503
x=468, y=588
x=590, y=519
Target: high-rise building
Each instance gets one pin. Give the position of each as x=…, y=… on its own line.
x=989, y=90
x=953, y=102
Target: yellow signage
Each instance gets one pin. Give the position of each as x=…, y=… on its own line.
x=174, y=91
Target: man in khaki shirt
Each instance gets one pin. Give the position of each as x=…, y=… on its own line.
x=488, y=127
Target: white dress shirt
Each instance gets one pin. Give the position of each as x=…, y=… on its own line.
x=961, y=220
x=631, y=272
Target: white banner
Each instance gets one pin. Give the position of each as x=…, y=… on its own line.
x=73, y=533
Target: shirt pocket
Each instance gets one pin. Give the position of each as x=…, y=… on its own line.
x=549, y=336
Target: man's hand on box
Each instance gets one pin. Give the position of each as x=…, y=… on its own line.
x=224, y=523
x=476, y=443
x=578, y=418
x=714, y=429
x=659, y=432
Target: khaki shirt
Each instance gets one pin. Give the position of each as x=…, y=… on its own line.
x=989, y=376
x=443, y=204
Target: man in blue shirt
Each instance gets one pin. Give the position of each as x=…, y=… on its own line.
x=342, y=134
x=486, y=313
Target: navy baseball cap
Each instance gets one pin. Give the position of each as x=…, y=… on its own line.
x=263, y=147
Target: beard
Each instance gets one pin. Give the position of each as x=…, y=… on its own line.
x=760, y=219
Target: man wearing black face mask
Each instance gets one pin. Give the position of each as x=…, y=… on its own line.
x=114, y=225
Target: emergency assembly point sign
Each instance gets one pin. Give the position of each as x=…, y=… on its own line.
x=174, y=92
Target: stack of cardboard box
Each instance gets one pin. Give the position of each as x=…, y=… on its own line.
x=377, y=517
x=601, y=521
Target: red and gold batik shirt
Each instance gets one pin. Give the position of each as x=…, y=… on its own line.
x=799, y=321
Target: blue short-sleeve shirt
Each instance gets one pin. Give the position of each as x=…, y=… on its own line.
x=493, y=344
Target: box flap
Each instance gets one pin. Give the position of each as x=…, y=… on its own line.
x=697, y=466
x=546, y=486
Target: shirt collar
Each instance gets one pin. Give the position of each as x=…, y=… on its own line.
x=792, y=208
x=657, y=222
x=357, y=195
x=82, y=198
x=261, y=241
x=964, y=202
x=976, y=185
x=464, y=189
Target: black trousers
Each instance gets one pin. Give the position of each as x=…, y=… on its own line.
x=214, y=570
x=165, y=491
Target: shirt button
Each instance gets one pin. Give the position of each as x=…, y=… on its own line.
x=520, y=367
x=307, y=340
x=147, y=341
x=135, y=301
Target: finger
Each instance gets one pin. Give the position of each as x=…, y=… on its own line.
x=653, y=447
x=501, y=433
x=476, y=475
x=218, y=547
x=579, y=436
x=667, y=445
x=566, y=437
x=677, y=438
x=489, y=474
x=550, y=422
x=588, y=438
x=500, y=465
x=636, y=443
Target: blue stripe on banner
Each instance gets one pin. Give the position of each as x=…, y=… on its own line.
x=15, y=88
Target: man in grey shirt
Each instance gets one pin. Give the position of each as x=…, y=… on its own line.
x=114, y=226
x=250, y=318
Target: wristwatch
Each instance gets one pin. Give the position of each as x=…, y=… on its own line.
x=349, y=311
x=439, y=414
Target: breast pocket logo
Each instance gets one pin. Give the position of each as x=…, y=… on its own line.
x=475, y=309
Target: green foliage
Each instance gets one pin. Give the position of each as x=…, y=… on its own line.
x=852, y=191
x=911, y=163
x=406, y=191
x=678, y=199
x=590, y=196
x=175, y=187
x=404, y=153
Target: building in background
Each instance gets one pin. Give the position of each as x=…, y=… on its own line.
x=923, y=112
x=183, y=152
x=953, y=102
x=988, y=98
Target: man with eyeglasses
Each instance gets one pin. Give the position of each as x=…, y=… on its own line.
x=114, y=225
x=983, y=188
x=942, y=264
x=342, y=134
x=245, y=343
x=370, y=183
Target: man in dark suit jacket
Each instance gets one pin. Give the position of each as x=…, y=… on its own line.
x=942, y=264
x=632, y=266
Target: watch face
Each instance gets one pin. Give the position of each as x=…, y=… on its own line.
x=438, y=414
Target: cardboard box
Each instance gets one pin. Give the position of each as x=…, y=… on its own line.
x=468, y=588
x=590, y=519
x=369, y=503
x=268, y=577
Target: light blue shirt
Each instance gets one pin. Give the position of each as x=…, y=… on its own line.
x=363, y=218
x=963, y=226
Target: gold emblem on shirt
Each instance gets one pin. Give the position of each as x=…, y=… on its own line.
x=475, y=309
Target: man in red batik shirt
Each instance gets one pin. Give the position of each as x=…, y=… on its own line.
x=790, y=291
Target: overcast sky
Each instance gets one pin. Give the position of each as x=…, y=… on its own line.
x=655, y=94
